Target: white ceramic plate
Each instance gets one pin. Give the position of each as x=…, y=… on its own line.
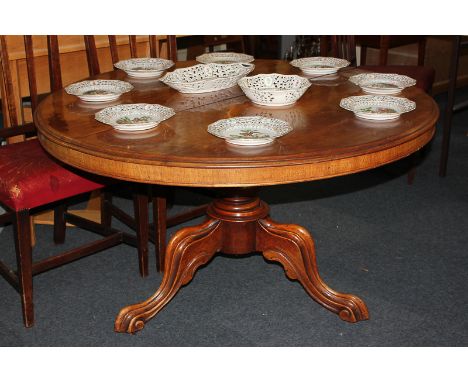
x=134, y=117
x=144, y=67
x=274, y=89
x=204, y=78
x=382, y=83
x=379, y=108
x=224, y=58
x=99, y=90
x=319, y=65
x=249, y=131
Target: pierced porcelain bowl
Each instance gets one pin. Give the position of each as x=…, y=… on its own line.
x=274, y=89
x=224, y=58
x=319, y=65
x=144, y=67
x=376, y=107
x=99, y=90
x=204, y=78
x=382, y=83
x=134, y=117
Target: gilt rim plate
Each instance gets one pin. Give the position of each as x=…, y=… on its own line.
x=225, y=58
x=380, y=108
x=249, y=131
x=144, y=67
x=382, y=83
x=98, y=90
x=134, y=117
x=320, y=65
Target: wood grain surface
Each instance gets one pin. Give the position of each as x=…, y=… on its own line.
x=326, y=140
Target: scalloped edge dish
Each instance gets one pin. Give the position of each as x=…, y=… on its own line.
x=98, y=90
x=134, y=117
x=320, y=65
x=145, y=67
x=249, y=131
x=377, y=108
x=382, y=83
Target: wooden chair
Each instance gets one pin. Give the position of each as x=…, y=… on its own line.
x=159, y=195
x=233, y=43
x=345, y=47
x=457, y=45
x=30, y=179
x=384, y=43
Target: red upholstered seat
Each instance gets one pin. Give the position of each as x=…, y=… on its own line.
x=29, y=177
x=423, y=75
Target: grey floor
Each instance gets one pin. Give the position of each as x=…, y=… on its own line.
x=402, y=249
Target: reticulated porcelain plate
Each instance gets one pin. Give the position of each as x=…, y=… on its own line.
x=144, y=67
x=224, y=58
x=376, y=107
x=382, y=83
x=134, y=117
x=319, y=65
x=205, y=78
x=249, y=131
x=274, y=89
x=99, y=90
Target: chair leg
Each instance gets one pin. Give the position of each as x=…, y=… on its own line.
x=106, y=212
x=414, y=161
x=160, y=228
x=449, y=108
x=59, y=224
x=140, y=204
x=22, y=234
x=363, y=56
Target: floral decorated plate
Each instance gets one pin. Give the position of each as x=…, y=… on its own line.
x=224, y=58
x=98, y=90
x=274, y=89
x=376, y=107
x=205, y=78
x=144, y=67
x=249, y=131
x=319, y=65
x=382, y=83
x=134, y=117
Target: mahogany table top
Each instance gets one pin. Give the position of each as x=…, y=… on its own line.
x=326, y=140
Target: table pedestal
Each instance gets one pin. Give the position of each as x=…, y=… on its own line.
x=238, y=225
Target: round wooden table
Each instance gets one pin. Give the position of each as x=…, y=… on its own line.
x=326, y=141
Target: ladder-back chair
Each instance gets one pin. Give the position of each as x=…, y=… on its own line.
x=345, y=47
x=159, y=195
x=31, y=179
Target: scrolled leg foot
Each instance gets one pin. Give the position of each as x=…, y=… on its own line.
x=293, y=247
x=186, y=252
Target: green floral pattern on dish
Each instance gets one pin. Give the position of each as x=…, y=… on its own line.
x=97, y=92
x=133, y=121
x=249, y=134
x=378, y=110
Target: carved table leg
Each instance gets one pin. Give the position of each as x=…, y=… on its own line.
x=188, y=250
x=239, y=225
x=293, y=247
